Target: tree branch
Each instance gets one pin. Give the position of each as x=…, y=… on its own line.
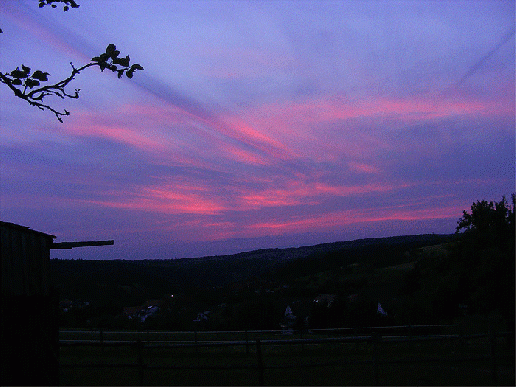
x=25, y=85
x=67, y=4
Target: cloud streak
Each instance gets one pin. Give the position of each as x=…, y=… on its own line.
x=295, y=124
x=481, y=62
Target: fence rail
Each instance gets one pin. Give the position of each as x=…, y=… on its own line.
x=377, y=339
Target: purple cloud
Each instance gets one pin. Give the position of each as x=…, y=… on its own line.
x=260, y=125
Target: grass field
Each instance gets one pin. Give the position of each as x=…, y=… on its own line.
x=348, y=363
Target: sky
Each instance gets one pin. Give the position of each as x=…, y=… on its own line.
x=257, y=124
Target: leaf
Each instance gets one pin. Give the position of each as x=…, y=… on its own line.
x=16, y=82
x=110, y=49
x=124, y=61
x=31, y=83
x=25, y=69
x=100, y=59
x=40, y=75
x=129, y=74
x=136, y=66
x=18, y=73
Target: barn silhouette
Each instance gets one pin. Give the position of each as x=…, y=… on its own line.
x=30, y=306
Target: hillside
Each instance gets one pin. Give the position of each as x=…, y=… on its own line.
x=108, y=286
x=153, y=278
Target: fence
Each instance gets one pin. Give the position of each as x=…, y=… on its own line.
x=376, y=339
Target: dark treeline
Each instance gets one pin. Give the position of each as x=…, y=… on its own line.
x=422, y=279
x=252, y=287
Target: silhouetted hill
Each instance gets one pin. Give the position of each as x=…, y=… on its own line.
x=111, y=284
x=418, y=279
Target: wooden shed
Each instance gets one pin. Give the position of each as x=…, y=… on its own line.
x=25, y=261
x=29, y=308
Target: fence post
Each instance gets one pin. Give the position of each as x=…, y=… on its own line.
x=101, y=339
x=260, y=362
x=411, y=337
x=377, y=338
x=195, y=338
x=139, y=354
x=302, y=344
x=462, y=340
x=492, y=339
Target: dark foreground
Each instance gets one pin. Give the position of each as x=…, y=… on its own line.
x=278, y=359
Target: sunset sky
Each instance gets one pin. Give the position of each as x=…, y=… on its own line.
x=257, y=124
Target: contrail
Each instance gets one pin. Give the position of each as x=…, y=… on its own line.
x=484, y=59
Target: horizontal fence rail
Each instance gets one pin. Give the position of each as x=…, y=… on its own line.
x=379, y=337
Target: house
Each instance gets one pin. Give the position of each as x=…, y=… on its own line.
x=325, y=300
x=65, y=305
x=131, y=311
x=380, y=310
x=202, y=316
x=289, y=320
x=152, y=303
x=142, y=312
x=150, y=311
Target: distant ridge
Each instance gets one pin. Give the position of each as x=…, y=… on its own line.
x=305, y=251
x=110, y=285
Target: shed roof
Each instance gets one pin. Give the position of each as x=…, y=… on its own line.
x=23, y=228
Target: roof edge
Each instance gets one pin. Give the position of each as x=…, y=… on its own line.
x=19, y=227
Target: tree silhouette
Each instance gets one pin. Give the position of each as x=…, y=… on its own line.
x=486, y=255
x=489, y=222
x=34, y=87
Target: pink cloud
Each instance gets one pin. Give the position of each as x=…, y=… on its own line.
x=242, y=131
x=169, y=200
x=296, y=192
x=178, y=137
x=324, y=123
x=164, y=202
x=278, y=198
x=168, y=129
x=363, y=168
x=345, y=218
x=120, y=134
x=244, y=156
x=173, y=139
x=289, y=114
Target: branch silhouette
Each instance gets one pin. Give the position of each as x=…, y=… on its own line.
x=32, y=87
x=66, y=6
